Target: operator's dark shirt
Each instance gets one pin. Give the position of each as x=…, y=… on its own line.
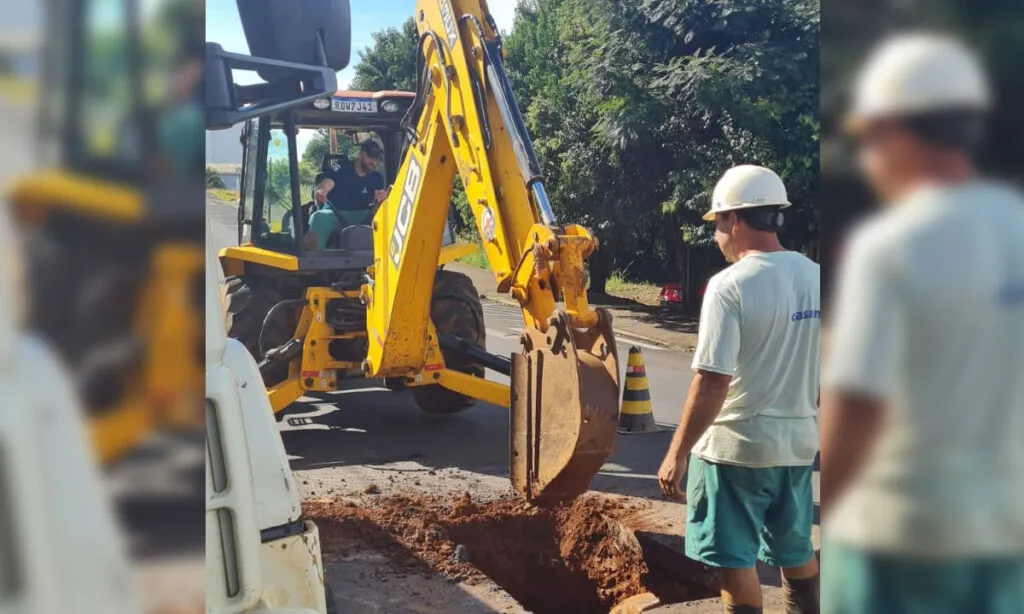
x=352, y=192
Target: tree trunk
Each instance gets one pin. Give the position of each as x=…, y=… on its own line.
x=599, y=272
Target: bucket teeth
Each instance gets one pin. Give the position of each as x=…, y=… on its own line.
x=564, y=409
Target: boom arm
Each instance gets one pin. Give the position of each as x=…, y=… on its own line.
x=469, y=124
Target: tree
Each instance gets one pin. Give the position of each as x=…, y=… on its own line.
x=639, y=106
x=389, y=63
x=213, y=179
x=318, y=147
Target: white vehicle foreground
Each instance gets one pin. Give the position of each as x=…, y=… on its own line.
x=61, y=549
x=261, y=555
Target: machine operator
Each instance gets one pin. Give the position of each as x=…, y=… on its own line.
x=347, y=195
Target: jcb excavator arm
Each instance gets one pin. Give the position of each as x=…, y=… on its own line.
x=564, y=390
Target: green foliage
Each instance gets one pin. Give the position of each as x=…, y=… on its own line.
x=213, y=180
x=994, y=29
x=318, y=147
x=637, y=107
x=278, y=197
x=464, y=223
x=477, y=259
x=389, y=63
x=226, y=196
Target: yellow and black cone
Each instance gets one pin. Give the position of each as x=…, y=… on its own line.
x=637, y=414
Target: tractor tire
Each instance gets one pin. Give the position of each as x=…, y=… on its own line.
x=248, y=303
x=455, y=309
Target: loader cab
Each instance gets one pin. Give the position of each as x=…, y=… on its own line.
x=286, y=154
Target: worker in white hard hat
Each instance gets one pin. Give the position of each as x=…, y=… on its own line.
x=748, y=434
x=922, y=460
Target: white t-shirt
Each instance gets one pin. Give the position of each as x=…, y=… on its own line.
x=930, y=316
x=760, y=323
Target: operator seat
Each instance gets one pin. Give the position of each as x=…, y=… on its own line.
x=356, y=238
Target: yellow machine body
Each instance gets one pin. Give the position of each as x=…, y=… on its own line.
x=563, y=398
x=165, y=389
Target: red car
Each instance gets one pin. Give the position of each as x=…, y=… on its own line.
x=672, y=294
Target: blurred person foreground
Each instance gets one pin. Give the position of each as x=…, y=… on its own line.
x=109, y=226
x=923, y=404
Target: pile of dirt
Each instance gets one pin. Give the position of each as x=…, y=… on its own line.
x=579, y=557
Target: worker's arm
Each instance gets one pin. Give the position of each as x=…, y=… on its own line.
x=703, y=402
x=718, y=345
x=850, y=425
x=323, y=189
x=862, y=360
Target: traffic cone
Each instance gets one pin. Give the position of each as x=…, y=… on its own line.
x=637, y=414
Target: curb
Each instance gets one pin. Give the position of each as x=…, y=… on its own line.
x=497, y=298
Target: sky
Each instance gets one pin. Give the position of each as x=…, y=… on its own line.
x=20, y=18
x=368, y=16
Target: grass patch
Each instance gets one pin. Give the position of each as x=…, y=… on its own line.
x=17, y=89
x=477, y=259
x=230, y=196
x=641, y=292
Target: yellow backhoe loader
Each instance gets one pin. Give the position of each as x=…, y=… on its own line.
x=377, y=302
x=111, y=229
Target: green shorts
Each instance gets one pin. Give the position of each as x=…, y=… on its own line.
x=325, y=221
x=736, y=516
x=859, y=582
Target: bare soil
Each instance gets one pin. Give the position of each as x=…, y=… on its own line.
x=581, y=557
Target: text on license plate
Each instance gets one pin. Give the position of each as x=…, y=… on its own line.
x=353, y=105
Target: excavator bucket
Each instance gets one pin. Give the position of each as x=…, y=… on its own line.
x=564, y=408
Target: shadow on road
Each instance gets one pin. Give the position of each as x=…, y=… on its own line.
x=678, y=320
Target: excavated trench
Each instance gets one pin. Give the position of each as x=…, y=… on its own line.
x=581, y=558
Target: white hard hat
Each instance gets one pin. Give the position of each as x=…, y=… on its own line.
x=747, y=186
x=913, y=73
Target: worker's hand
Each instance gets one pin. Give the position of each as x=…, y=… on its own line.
x=673, y=468
x=380, y=195
x=322, y=190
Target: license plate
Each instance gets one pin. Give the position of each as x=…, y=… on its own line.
x=353, y=105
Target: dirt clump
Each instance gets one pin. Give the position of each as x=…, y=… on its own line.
x=577, y=557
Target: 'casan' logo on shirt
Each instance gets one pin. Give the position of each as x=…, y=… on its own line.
x=412, y=185
x=806, y=315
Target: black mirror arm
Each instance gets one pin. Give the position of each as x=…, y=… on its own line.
x=228, y=104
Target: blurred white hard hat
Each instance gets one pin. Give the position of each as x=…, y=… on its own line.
x=918, y=73
x=747, y=186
